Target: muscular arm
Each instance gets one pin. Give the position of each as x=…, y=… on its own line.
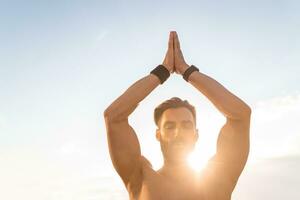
x=233, y=140
x=123, y=144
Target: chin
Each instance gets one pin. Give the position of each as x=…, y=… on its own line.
x=176, y=154
x=178, y=157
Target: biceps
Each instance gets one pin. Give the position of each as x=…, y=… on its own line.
x=233, y=147
x=124, y=149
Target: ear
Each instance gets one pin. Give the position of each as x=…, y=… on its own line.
x=157, y=135
x=196, y=135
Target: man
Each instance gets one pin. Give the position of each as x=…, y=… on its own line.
x=177, y=134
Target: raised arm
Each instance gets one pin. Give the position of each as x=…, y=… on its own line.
x=123, y=144
x=233, y=140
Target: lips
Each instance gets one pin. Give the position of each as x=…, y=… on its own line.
x=178, y=145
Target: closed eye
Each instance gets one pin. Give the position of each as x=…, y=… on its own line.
x=187, y=124
x=169, y=125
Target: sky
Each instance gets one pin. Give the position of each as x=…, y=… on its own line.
x=63, y=62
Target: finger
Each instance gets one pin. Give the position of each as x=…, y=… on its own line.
x=170, y=43
x=176, y=41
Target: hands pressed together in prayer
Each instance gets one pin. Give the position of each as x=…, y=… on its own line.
x=174, y=60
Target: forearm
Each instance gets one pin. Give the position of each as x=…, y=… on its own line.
x=125, y=104
x=226, y=102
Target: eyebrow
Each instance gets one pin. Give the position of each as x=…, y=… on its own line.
x=173, y=122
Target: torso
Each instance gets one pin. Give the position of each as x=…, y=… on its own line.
x=201, y=186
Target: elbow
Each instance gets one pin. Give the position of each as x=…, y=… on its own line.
x=246, y=112
x=243, y=113
x=112, y=116
x=108, y=115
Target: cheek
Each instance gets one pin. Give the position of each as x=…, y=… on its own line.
x=191, y=138
x=167, y=135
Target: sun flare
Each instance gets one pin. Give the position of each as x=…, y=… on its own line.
x=197, y=161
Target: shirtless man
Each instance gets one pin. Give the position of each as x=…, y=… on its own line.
x=177, y=134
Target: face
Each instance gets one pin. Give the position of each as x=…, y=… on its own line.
x=177, y=134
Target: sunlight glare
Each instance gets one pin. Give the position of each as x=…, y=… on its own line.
x=198, y=160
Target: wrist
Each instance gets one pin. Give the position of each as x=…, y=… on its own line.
x=167, y=67
x=161, y=72
x=188, y=72
x=183, y=68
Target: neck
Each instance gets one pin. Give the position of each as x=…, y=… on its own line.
x=176, y=169
x=170, y=164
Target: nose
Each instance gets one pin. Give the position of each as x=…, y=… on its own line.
x=178, y=133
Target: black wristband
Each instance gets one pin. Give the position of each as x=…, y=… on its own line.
x=188, y=72
x=161, y=72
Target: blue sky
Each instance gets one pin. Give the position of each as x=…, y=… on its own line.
x=63, y=62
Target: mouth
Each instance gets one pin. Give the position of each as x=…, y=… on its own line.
x=178, y=145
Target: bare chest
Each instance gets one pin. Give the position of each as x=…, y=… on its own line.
x=155, y=187
x=166, y=190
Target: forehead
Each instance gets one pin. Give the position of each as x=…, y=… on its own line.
x=177, y=115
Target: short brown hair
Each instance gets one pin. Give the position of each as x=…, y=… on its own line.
x=174, y=102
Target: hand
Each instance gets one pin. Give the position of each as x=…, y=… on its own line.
x=169, y=58
x=179, y=62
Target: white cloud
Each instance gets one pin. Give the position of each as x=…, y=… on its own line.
x=36, y=175
x=275, y=108
x=275, y=179
x=275, y=128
